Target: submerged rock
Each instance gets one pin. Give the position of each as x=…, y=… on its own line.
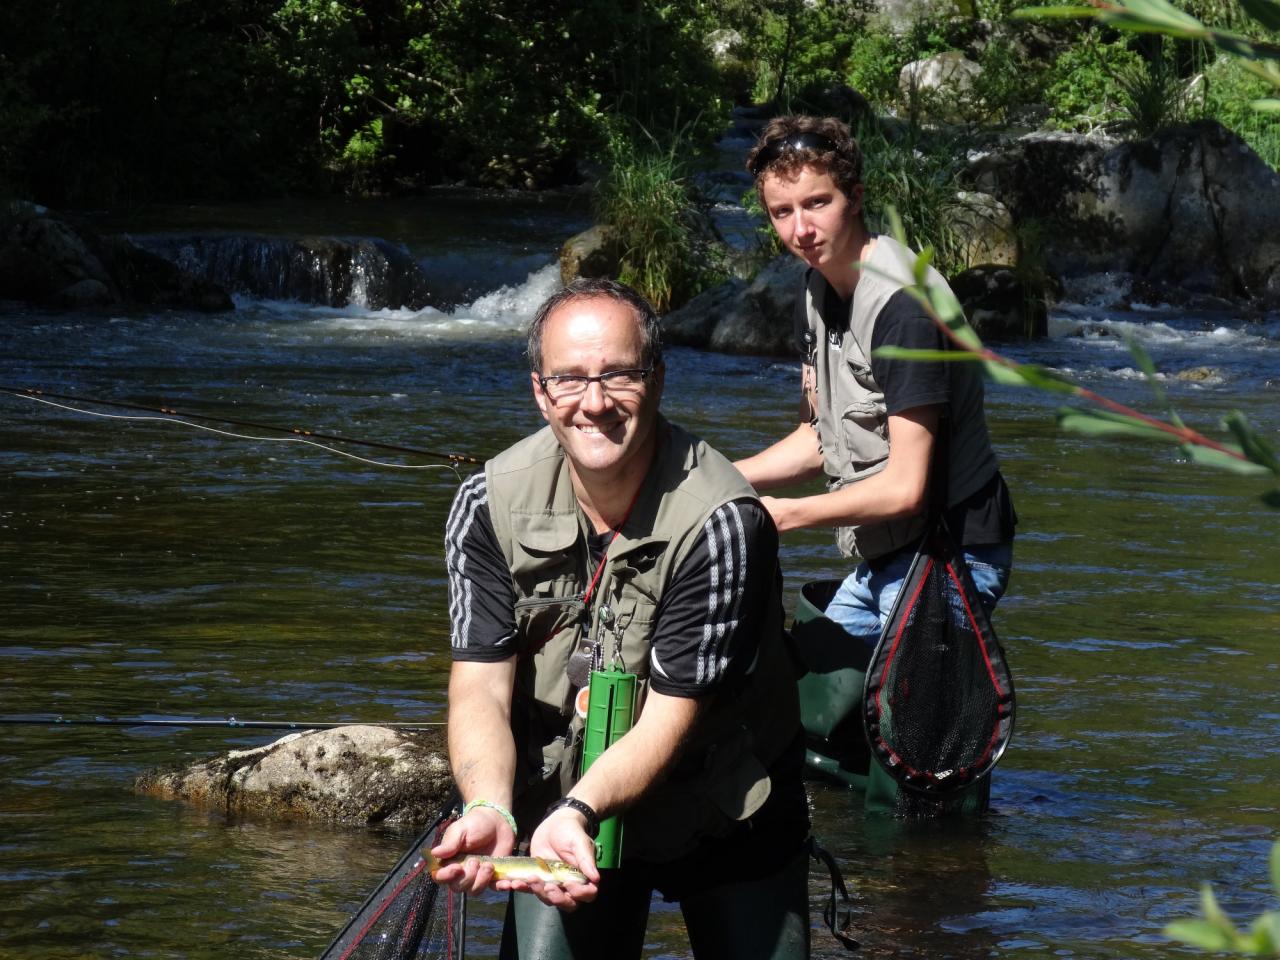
x=355, y=774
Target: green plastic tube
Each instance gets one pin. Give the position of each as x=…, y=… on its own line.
x=611, y=702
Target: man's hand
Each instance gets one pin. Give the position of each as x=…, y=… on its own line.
x=562, y=836
x=483, y=831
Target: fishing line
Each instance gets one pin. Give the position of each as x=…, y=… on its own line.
x=199, y=722
x=169, y=415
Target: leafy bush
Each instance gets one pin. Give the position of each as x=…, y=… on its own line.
x=876, y=59
x=1230, y=90
x=1081, y=88
x=919, y=178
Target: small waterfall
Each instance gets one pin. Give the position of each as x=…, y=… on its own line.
x=332, y=271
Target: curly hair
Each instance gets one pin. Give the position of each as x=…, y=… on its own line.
x=787, y=144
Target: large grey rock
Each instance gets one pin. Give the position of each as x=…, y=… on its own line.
x=987, y=228
x=354, y=774
x=1192, y=211
x=940, y=85
x=593, y=253
x=998, y=305
x=740, y=317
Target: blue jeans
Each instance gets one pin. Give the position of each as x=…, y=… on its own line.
x=864, y=601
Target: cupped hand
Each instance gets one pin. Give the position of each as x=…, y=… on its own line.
x=483, y=832
x=562, y=836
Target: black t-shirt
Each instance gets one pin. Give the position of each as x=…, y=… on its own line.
x=986, y=516
x=707, y=621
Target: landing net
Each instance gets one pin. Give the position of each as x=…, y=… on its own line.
x=938, y=702
x=409, y=915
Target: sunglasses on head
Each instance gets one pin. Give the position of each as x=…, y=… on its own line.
x=776, y=147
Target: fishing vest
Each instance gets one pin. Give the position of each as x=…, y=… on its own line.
x=720, y=776
x=852, y=420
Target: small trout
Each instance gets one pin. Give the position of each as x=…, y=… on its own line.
x=518, y=868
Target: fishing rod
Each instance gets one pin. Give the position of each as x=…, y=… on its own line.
x=31, y=393
x=204, y=722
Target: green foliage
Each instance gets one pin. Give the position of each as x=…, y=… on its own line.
x=875, y=60
x=665, y=236
x=1230, y=94
x=148, y=99
x=800, y=47
x=1081, y=89
x=1215, y=932
x=1006, y=82
x=917, y=178
x=1260, y=56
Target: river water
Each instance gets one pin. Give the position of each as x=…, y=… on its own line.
x=148, y=569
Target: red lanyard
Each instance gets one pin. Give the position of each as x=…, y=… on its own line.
x=591, y=588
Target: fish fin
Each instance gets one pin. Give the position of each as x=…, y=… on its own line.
x=433, y=863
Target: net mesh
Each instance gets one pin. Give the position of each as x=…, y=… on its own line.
x=409, y=915
x=939, y=696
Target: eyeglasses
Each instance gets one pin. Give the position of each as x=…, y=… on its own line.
x=776, y=147
x=570, y=386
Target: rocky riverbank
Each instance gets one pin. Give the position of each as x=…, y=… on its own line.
x=1190, y=217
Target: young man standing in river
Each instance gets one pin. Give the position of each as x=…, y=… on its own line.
x=871, y=425
x=614, y=537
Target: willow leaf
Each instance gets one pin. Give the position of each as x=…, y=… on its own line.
x=1199, y=933
x=1266, y=934
x=1104, y=423
x=1251, y=444
x=911, y=353
x=998, y=373
x=1159, y=12
x=1266, y=106
x=1037, y=13
x=1210, y=457
x=1214, y=913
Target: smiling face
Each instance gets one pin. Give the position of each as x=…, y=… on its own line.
x=816, y=221
x=608, y=437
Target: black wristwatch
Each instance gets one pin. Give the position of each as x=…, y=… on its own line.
x=593, y=818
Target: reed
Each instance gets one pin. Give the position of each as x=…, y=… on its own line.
x=669, y=248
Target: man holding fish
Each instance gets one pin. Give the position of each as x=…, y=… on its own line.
x=612, y=541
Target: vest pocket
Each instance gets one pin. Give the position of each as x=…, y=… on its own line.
x=864, y=434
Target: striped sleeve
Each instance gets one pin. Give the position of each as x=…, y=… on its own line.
x=481, y=597
x=708, y=618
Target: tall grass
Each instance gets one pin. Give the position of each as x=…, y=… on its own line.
x=919, y=178
x=668, y=244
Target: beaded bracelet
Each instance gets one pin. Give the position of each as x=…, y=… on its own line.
x=499, y=808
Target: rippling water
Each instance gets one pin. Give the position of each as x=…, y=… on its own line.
x=150, y=569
